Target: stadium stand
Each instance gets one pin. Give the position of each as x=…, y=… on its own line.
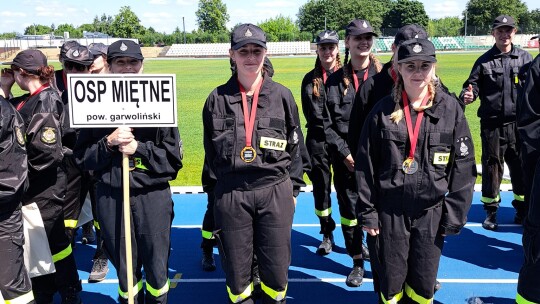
x=222, y=49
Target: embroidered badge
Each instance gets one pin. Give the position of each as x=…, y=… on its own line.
x=48, y=135
x=76, y=53
x=416, y=36
x=123, y=47
x=464, y=143
x=505, y=20
x=326, y=35
x=417, y=48
x=364, y=25
x=19, y=135
x=248, y=33
x=273, y=143
x=441, y=158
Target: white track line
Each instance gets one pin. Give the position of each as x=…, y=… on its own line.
x=338, y=225
x=329, y=280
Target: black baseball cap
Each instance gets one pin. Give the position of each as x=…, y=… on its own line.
x=29, y=60
x=97, y=49
x=416, y=49
x=327, y=37
x=503, y=20
x=359, y=27
x=410, y=31
x=124, y=48
x=247, y=33
x=66, y=46
x=79, y=54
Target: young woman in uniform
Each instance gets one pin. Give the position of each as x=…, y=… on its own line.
x=341, y=88
x=252, y=141
x=41, y=110
x=416, y=174
x=313, y=105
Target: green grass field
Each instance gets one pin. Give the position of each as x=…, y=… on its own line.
x=196, y=78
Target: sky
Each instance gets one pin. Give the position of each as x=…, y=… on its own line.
x=166, y=15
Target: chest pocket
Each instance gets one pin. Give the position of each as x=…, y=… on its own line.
x=392, y=147
x=273, y=131
x=223, y=136
x=440, y=156
x=493, y=76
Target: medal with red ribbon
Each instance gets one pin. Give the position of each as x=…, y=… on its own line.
x=248, y=153
x=366, y=72
x=410, y=165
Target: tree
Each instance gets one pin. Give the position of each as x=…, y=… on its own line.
x=126, y=24
x=37, y=29
x=405, y=12
x=102, y=24
x=212, y=16
x=481, y=13
x=73, y=32
x=280, y=29
x=530, y=22
x=447, y=26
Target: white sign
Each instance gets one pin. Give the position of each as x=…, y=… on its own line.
x=113, y=100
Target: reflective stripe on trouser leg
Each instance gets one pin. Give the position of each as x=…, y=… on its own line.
x=416, y=297
x=22, y=299
x=522, y=300
x=62, y=254
x=207, y=235
x=237, y=298
x=157, y=292
x=71, y=223
x=518, y=197
x=394, y=300
x=490, y=200
x=136, y=288
x=326, y=212
x=274, y=294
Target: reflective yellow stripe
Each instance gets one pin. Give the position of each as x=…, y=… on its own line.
x=241, y=297
x=138, y=163
x=62, y=254
x=347, y=222
x=518, y=197
x=522, y=300
x=96, y=224
x=489, y=200
x=276, y=295
x=24, y=299
x=394, y=300
x=207, y=235
x=137, y=288
x=70, y=223
x=158, y=292
x=416, y=297
x=323, y=213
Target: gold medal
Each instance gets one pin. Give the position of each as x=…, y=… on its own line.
x=248, y=154
x=410, y=166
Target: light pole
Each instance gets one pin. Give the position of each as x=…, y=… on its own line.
x=184, y=25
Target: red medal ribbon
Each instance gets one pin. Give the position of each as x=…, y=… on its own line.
x=366, y=72
x=413, y=135
x=324, y=76
x=249, y=117
x=41, y=88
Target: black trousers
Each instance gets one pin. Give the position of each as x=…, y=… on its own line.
x=499, y=145
x=528, y=287
x=151, y=218
x=406, y=253
x=15, y=284
x=321, y=178
x=347, y=195
x=255, y=222
x=72, y=200
x=208, y=224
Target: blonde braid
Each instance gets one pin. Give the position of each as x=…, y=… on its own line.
x=397, y=115
x=346, y=72
x=376, y=62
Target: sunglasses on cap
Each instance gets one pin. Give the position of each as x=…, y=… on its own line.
x=75, y=66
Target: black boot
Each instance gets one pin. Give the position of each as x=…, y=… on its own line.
x=356, y=277
x=521, y=211
x=71, y=295
x=208, y=262
x=490, y=223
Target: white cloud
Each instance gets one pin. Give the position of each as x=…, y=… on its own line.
x=186, y=2
x=158, y=2
x=9, y=14
x=276, y=4
x=444, y=9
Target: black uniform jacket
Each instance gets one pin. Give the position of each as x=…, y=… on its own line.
x=41, y=114
x=339, y=107
x=313, y=106
x=225, y=137
x=494, y=79
x=156, y=161
x=13, y=160
x=446, y=166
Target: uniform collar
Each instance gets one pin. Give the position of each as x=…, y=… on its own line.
x=497, y=53
x=263, y=93
x=437, y=109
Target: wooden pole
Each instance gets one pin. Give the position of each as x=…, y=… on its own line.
x=127, y=228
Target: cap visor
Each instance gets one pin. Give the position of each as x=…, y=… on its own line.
x=248, y=41
x=7, y=63
x=501, y=25
x=358, y=32
x=420, y=57
x=327, y=41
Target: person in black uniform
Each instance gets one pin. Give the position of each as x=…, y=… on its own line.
x=42, y=112
x=494, y=78
x=528, y=124
x=252, y=140
x=313, y=105
x=341, y=88
x=156, y=159
x=99, y=66
x=59, y=81
x=13, y=178
x=416, y=172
